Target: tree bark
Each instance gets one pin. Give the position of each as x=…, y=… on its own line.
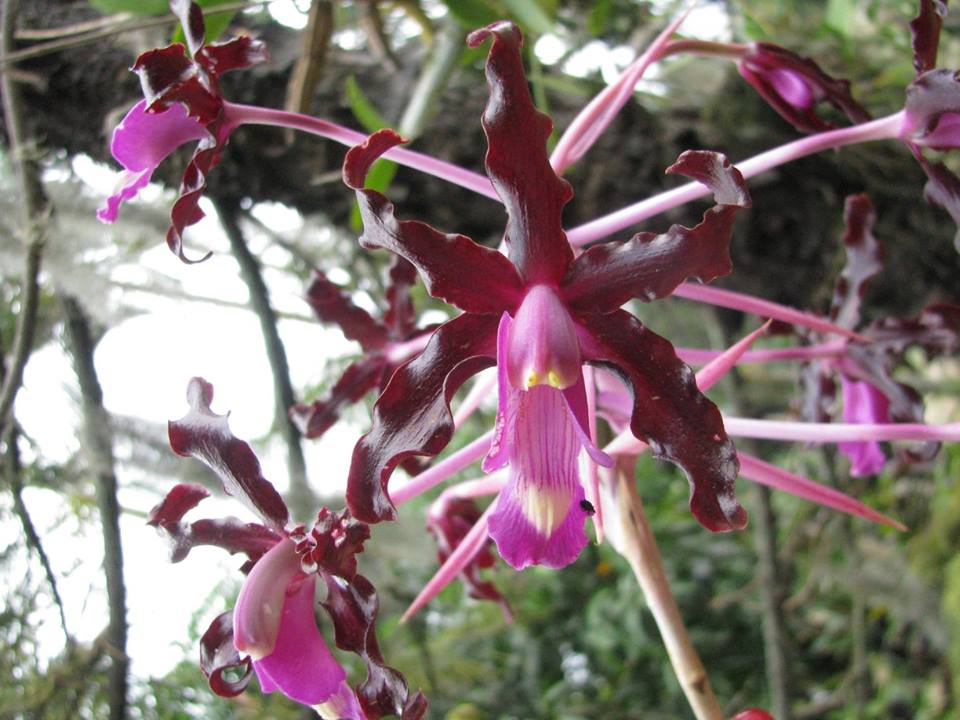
x=98, y=446
x=300, y=496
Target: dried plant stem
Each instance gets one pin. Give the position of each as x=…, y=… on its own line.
x=640, y=550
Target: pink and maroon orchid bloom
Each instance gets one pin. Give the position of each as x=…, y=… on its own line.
x=272, y=630
x=386, y=343
x=540, y=313
x=183, y=102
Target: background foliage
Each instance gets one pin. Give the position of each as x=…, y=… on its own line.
x=872, y=617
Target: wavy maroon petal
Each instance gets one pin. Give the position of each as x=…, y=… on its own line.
x=650, y=266
x=206, y=436
x=670, y=413
x=219, y=656
x=231, y=534
x=943, y=190
x=186, y=209
x=925, y=32
x=444, y=261
x=793, y=85
x=518, y=164
x=353, y=609
x=167, y=75
x=449, y=521
x=937, y=331
x=333, y=306
x=864, y=260
x=358, y=379
x=182, y=498
x=235, y=54
x=337, y=539
x=412, y=415
x=191, y=20
x=400, y=317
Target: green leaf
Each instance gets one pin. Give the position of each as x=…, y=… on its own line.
x=599, y=19
x=839, y=16
x=363, y=109
x=134, y=7
x=531, y=15
x=472, y=14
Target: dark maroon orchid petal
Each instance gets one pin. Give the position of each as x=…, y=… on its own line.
x=358, y=379
x=400, y=317
x=670, y=413
x=167, y=75
x=443, y=260
x=793, y=85
x=518, y=164
x=235, y=54
x=333, y=306
x=336, y=539
x=650, y=266
x=353, y=608
x=943, y=190
x=206, y=436
x=412, y=415
x=231, y=534
x=227, y=673
x=864, y=260
x=925, y=30
x=191, y=20
x=181, y=499
x=186, y=209
x=936, y=331
x=449, y=521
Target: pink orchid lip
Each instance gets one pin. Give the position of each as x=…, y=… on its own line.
x=256, y=617
x=542, y=345
x=140, y=143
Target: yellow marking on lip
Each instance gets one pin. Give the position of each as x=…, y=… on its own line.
x=533, y=378
x=545, y=509
x=553, y=380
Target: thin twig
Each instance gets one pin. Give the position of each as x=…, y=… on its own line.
x=640, y=550
x=34, y=211
x=314, y=49
x=98, y=447
x=302, y=498
x=9, y=56
x=15, y=478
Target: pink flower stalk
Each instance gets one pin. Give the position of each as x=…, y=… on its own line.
x=272, y=630
x=540, y=316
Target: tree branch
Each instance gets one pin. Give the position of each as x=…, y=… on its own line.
x=33, y=217
x=98, y=447
x=301, y=497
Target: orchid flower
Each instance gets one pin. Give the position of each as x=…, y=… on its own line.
x=386, y=343
x=183, y=102
x=272, y=630
x=539, y=316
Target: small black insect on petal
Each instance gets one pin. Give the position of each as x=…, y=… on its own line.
x=587, y=507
